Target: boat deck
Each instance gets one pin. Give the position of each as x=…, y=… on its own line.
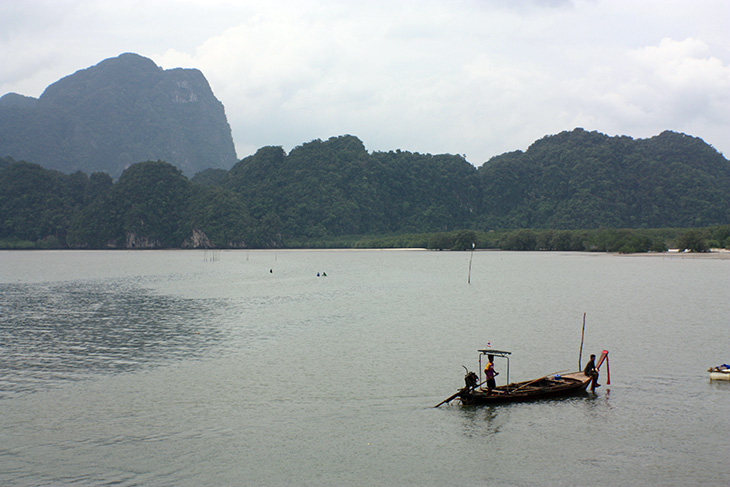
x=576, y=375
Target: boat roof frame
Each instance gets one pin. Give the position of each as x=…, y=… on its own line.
x=499, y=353
x=496, y=353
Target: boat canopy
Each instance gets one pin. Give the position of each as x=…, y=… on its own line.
x=499, y=353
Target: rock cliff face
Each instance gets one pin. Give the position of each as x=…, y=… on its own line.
x=122, y=111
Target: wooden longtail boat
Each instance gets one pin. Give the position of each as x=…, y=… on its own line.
x=550, y=386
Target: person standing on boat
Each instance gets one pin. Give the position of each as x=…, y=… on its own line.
x=591, y=371
x=490, y=374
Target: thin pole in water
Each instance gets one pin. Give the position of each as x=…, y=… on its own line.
x=580, y=354
x=468, y=280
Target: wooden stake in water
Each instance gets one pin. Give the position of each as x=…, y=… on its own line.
x=468, y=279
x=580, y=354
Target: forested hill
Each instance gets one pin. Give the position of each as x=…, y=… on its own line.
x=119, y=112
x=583, y=179
x=337, y=188
x=326, y=189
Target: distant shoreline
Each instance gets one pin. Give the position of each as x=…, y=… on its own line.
x=717, y=254
x=720, y=254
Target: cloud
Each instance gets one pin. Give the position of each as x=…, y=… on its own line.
x=479, y=77
x=290, y=76
x=675, y=84
x=679, y=80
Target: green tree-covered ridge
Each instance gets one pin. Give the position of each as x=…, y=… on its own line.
x=565, y=192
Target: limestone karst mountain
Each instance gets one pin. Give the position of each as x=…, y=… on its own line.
x=121, y=111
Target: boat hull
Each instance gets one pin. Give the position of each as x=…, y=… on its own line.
x=720, y=375
x=540, y=389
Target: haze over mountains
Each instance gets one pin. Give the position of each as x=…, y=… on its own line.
x=119, y=112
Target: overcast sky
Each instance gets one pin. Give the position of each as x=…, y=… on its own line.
x=473, y=77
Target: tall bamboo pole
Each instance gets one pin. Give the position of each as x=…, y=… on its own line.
x=468, y=279
x=582, y=333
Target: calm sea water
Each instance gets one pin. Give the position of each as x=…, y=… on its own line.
x=186, y=368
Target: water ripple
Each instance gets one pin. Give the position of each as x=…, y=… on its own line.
x=55, y=332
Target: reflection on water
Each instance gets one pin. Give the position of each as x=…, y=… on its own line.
x=483, y=421
x=70, y=330
x=720, y=385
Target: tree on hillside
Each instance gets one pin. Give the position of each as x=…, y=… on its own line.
x=692, y=240
x=221, y=216
x=151, y=199
x=36, y=204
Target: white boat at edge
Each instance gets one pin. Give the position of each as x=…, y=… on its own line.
x=721, y=372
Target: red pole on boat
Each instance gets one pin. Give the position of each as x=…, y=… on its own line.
x=604, y=356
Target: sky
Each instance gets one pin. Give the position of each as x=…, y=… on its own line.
x=471, y=77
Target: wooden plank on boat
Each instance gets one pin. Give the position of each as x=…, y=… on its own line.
x=529, y=383
x=576, y=375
